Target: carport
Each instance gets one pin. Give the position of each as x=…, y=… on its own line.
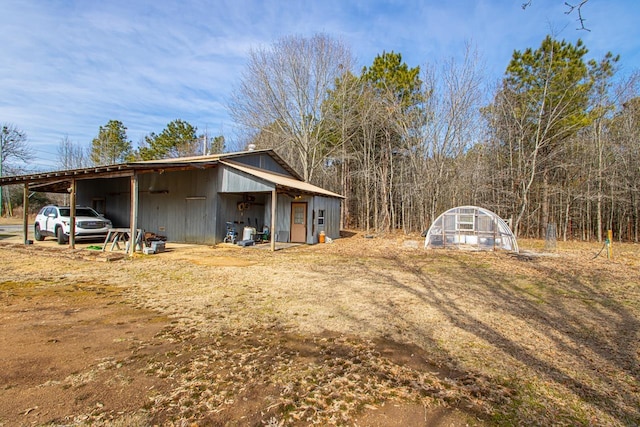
x=66, y=182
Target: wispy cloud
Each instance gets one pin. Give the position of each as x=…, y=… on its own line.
x=69, y=67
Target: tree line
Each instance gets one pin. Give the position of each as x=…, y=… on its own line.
x=556, y=143
x=111, y=146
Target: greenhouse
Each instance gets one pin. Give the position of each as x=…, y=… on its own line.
x=471, y=228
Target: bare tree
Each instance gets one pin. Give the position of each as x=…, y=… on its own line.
x=624, y=129
x=71, y=155
x=13, y=150
x=602, y=74
x=450, y=125
x=342, y=108
x=283, y=90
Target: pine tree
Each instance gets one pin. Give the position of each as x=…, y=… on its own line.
x=111, y=145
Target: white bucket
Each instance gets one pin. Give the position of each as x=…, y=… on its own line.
x=248, y=233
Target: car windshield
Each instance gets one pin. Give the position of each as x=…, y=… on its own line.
x=79, y=212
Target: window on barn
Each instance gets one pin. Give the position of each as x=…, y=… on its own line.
x=320, y=216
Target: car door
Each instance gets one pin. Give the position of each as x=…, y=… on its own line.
x=50, y=214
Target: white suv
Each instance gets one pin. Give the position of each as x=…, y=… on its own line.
x=55, y=220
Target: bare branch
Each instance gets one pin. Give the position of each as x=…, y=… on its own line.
x=578, y=7
x=283, y=91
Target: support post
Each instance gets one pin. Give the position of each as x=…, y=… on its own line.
x=274, y=203
x=134, y=214
x=25, y=212
x=1, y=187
x=72, y=214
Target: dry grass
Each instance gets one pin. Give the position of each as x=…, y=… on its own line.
x=312, y=334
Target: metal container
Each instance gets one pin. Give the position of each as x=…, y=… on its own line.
x=157, y=246
x=248, y=233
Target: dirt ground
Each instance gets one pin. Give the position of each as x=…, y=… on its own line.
x=363, y=331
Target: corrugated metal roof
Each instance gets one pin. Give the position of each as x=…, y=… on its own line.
x=214, y=158
x=199, y=159
x=280, y=180
x=128, y=168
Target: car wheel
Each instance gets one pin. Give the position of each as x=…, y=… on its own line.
x=36, y=233
x=60, y=236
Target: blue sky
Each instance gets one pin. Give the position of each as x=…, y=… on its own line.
x=68, y=67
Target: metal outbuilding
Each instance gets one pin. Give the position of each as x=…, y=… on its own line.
x=191, y=199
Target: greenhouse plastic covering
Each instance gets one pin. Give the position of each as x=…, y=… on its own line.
x=470, y=227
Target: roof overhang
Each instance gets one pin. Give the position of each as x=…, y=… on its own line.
x=282, y=182
x=59, y=181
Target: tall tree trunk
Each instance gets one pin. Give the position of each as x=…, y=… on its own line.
x=600, y=148
x=542, y=230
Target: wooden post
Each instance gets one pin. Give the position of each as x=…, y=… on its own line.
x=72, y=215
x=609, y=244
x=134, y=214
x=25, y=212
x=274, y=202
x=444, y=235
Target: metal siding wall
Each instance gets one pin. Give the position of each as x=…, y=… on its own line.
x=254, y=216
x=153, y=214
x=318, y=204
x=334, y=218
x=312, y=228
x=331, y=206
x=231, y=181
x=223, y=209
x=283, y=215
x=115, y=192
x=262, y=161
x=179, y=213
x=234, y=181
x=227, y=211
x=196, y=220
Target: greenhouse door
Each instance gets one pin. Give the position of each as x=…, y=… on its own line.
x=298, y=222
